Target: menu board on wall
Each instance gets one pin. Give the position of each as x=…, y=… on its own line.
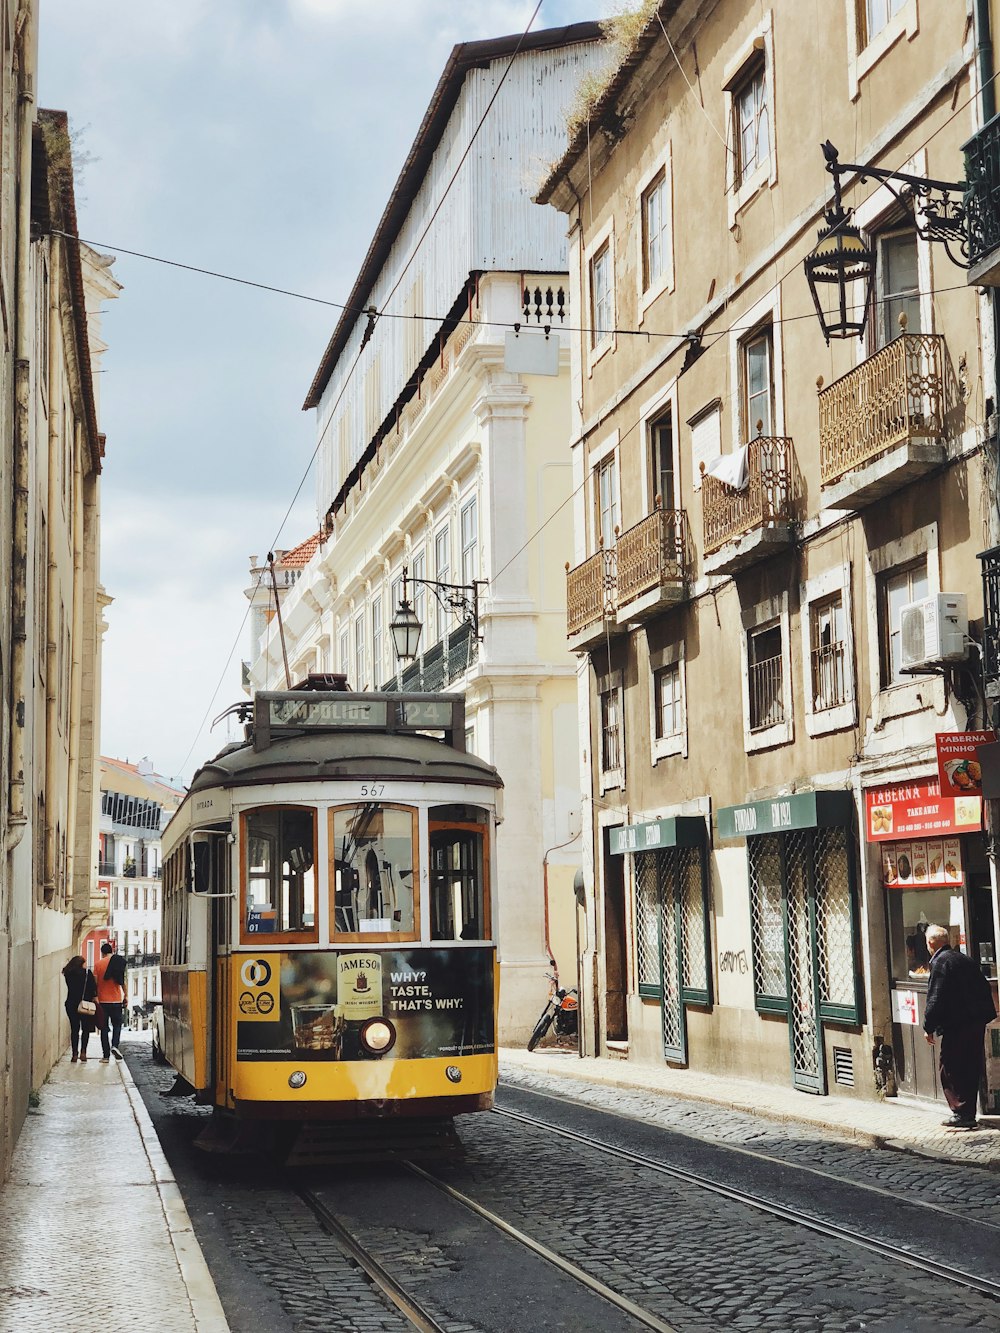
x=931, y=864
x=918, y=809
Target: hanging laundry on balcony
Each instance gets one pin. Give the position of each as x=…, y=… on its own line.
x=731, y=469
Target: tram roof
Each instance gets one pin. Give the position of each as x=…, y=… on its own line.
x=341, y=756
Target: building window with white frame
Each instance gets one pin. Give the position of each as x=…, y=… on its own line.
x=378, y=668
x=757, y=383
x=873, y=16
x=470, y=541
x=418, y=565
x=765, y=677
x=751, y=120
x=359, y=652
x=663, y=483
x=898, y=287
x=897, y=588
x=606, y=501
x=828, y=653
x=668, y=702
x=442, y=572
x=612, y=730
x=655, y=231
x=600, y=295
x=345, y=653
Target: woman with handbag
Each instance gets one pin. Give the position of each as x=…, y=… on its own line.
x=81, y=1004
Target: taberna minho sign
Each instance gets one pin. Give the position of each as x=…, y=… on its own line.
x=312, y=1005
x=918, y=809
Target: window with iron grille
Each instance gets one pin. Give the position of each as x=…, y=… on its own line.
x=612, y=735
x=828, y=653
x=820, y=863
x=765, y=679
x=672, y=881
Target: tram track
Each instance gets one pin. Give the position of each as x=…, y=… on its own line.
x=420, y=1317
x=796, y=1217
x=755, y=1155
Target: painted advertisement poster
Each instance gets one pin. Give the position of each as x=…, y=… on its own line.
x=918, y=809
x=312, y=1005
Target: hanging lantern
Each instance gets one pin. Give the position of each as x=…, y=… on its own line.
x=838, y=261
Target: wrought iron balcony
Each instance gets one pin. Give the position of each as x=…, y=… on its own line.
x=982, y=204
x=436, y=669
x=591, y=599
x=881, y=424
x=652, y=561
x=991, y=623
x=744, y=526
x=105, y=868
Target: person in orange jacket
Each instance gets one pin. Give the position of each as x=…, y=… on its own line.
x=110, y=974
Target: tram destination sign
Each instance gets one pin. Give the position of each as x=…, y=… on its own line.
x=300, y=710
x=316, y=711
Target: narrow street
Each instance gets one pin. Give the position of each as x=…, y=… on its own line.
x=688, y=1258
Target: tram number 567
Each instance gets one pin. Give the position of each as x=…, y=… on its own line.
x=373, y=790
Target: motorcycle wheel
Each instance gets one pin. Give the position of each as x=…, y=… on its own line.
x=541, y=1027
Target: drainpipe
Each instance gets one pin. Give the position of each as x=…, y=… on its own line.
x=53, y=632
x=17, y=818
x=984, y=51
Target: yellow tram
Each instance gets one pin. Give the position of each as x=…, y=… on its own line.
x=329, y=926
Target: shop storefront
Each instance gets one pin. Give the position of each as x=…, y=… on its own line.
x=803, y=916
x=671, y=919
x=934, y=871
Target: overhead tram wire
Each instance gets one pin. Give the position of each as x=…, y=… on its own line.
x=647, y=333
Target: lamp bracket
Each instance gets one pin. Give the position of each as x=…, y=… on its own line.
x=461, y=598
x=937, y=216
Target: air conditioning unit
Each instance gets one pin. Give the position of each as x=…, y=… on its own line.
x=934, y=630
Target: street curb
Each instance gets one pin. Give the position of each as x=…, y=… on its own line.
x=578, y=1071
x=209, y=1316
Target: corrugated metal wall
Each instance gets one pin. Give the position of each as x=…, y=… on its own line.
x=487, y=222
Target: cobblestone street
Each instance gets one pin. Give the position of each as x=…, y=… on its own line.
x=698, y=1262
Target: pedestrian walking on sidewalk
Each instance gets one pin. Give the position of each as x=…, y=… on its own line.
x=110, y=974
x=80, y=985
x=959, y=1005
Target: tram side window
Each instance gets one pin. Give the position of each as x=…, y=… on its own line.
x=280, y=883
x=374, y=872
x=459, y=874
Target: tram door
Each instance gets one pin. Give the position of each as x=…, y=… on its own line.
x=615, y=973
x=222, y=921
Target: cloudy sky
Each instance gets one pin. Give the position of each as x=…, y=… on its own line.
x=258, y=138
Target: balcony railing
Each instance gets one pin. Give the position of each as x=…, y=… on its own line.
x=728, y=513
x=652, y=553
x=591, y=591
x=437, y=668
x=982, y=197
x=105, y=867
x=894, y=396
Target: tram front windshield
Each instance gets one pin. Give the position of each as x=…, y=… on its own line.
x=374, y=870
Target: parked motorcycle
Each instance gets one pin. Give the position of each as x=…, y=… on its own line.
x=561, y=1009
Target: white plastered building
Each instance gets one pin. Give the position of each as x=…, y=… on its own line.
x=436, y=457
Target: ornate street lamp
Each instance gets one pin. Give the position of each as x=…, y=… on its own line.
x=462, y=598
x=842, y=258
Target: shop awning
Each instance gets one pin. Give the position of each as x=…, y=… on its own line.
x=655, y=834
x=781, y=814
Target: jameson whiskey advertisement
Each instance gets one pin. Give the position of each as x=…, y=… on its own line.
x=311, y=1005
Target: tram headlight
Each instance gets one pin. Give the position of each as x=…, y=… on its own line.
x=298, y=1079
x=453, y=1074
x=378, y=1036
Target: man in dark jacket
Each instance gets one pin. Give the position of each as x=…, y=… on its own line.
x=959, y=1005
